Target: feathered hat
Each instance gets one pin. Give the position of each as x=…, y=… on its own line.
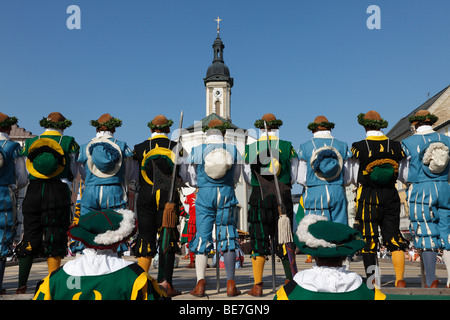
x=104, y=229
x=318, y=237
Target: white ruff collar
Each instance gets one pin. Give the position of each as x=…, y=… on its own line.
x=95, y=262
x=328, y=279
x=323, y=134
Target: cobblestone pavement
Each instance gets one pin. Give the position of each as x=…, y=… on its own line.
x=185, y=279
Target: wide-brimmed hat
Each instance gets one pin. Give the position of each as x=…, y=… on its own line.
x=55, y=120
x=434, y=158
x=326, y=163
x=372, y=119
x=7, y=121
x=271, y=120
x=104, y=157
x=318, y=237
x=106, y=123
x=104, y=229
x=423, y=116
x=160, y=122
x=45, y=158
x=320, y=123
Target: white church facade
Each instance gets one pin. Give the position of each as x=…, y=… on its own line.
x=218, y=84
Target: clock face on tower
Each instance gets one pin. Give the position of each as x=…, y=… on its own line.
x=217, y=93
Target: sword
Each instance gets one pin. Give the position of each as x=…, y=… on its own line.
x=169, y=214
x=284, y=227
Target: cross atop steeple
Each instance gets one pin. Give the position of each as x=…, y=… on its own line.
x=218, y=24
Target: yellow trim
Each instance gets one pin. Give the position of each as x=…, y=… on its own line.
x=52, y=144
x=97, y=295
x=156, y=151
x=158, y=196
x=44, y=289
x=158, y=136
x=379, y=295
x=271, y=137
x=281, y=294
x=140, y=283
x=51, y=133
x=377, y=138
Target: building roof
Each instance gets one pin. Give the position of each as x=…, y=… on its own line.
x=403, y=126
x=18, y=133
x=205, y=121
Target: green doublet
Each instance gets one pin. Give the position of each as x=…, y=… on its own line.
x=292, y=291
x=258, y=156
x=129, y=283
x=67, y=143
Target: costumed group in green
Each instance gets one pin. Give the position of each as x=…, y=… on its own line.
x=47, y=164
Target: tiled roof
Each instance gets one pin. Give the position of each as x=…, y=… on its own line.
x=18, y=133
x=207, y=119
x=403, y=126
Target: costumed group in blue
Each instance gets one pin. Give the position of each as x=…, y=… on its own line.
x=323, y=166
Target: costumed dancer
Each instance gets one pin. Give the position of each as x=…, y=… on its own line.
x=156, y=153
x=13, y=176
x=106, y=167
x=329, y=243
x=376, y=162
x=263, y=212
x=427, y=176
x=47, y=205
x=99, y=274
x=215, y=168
x=190, y=229
x=323, y=165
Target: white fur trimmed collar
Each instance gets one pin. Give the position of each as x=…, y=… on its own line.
x=126, y=228
x=304, y=235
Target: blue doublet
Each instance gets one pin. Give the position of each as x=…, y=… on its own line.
x=102, y=193
x=216, y=202
x=10, y=151
x=324, y=197
x=428, y=194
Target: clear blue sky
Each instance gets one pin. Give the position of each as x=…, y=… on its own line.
x=297, y=59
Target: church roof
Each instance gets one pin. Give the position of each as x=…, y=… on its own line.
x=403, y=126
x=218, y=70
x=205, y=121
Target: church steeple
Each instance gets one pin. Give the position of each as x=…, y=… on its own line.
x=218, y=82
x=218, y=70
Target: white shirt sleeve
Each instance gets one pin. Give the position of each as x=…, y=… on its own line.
x=247, y=173
x=21, y=172
x=301, y=172
x=294, y=170
x=352, y=171
x=403, y=169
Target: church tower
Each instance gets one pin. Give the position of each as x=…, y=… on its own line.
x=218, y=82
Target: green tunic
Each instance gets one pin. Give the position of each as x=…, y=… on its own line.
x=129, y=283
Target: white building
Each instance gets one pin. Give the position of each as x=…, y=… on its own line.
x=218, y=84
